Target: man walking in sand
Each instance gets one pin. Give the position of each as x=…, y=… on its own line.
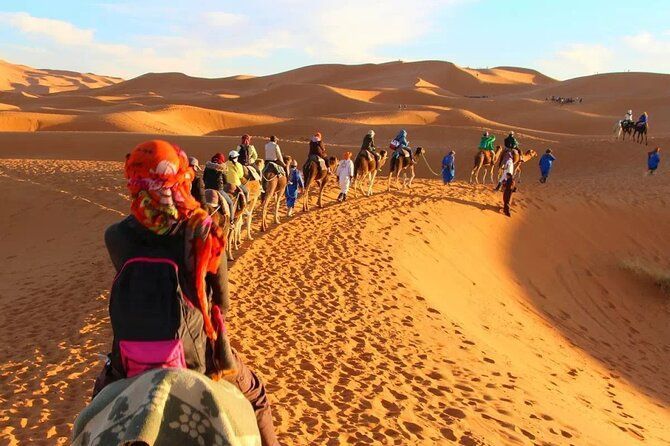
x=507, y=169
x=509, y=187
x=345, y=173
x=653, y=160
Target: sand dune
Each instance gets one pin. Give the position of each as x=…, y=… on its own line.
x=34, y=81
x=411, y=317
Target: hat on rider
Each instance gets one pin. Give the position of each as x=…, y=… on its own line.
x=486, y=133
x=219, y=158
x=233, y=154
x=316, y=137
x=194, y=163
x=511, y=133
x=246, y=139
x=371, y=132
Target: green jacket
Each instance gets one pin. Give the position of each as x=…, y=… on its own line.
x=487, y=143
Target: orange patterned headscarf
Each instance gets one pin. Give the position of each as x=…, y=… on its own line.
x=159, y=181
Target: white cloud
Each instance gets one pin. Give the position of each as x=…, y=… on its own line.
x=58, y=30
x=200, y=42
x=578, y=60
x=223, y=19
x=639, y=52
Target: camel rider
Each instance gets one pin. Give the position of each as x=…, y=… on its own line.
x=273, y=152
x=628, y=118
x=317, y=152
x=643, y=121
x=511, y=144
x=486, y=143
x=248, y=156
x=235, y=173
x=369, y=145
x=400, y=146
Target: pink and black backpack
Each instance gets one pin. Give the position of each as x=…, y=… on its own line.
x=155, y=325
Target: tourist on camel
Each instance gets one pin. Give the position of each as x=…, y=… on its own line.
x=273, y=152
x=214, y=177
x=317, y=152
x=169, y=237
x=235, y=173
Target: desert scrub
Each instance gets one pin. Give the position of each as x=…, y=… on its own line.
x=659, y=276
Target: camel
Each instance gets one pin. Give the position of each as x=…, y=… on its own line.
x=402, y=164
x=366, y=168
x=487, y=160
x=314, y=176
x=520, y=159
x=274, y=186
x=246, y=212
x=640, y=133
x=623, y=128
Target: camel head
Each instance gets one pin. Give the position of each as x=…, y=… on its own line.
x=420, y=150
x=529, y=155
x=382, y=155
x=332, y=160
x=287, y=160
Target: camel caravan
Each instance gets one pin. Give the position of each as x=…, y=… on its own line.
x=245, y=186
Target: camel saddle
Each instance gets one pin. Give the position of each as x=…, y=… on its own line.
x=272, y=167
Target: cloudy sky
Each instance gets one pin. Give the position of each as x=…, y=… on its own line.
x=221, y=38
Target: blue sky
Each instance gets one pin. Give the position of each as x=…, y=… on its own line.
x=222, y=38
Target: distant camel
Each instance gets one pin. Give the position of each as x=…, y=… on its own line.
x=488, y=160
x=401, y=163
x=366, y=168
x=314, y=176
x=640, y=133
x=623, y=128
x=274, y=184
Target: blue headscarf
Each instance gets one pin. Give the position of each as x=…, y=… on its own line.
x=402, y=138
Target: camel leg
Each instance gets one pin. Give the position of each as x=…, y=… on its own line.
x=305, y=200
x=411, y=177
x=277, y=203
x=321, y=188
x=373, y=175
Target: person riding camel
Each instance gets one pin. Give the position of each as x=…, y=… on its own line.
x=317, y=152
x=643, y=121
x=400, y=146
x=273, y=152
x=248, y=156
x=486, y=143
x=628, y=118
x=169, y=237
x=214, y=177
x=368, y=146
x=235, y=173
x=511, y=144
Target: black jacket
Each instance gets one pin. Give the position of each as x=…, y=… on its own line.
x=368, y=143
x=213, y=176
x=511, y=142
x=198, y=188
x=128, y=238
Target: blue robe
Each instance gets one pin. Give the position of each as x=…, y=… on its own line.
x=653, y=160
x=448, y=169
x=545, y=164
x=295, y=182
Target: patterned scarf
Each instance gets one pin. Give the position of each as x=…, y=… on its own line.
x=159, y=181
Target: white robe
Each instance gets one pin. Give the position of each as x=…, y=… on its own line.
x=508, y=167
x=345, y=171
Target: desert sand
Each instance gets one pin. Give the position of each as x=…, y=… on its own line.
x=419, y=316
